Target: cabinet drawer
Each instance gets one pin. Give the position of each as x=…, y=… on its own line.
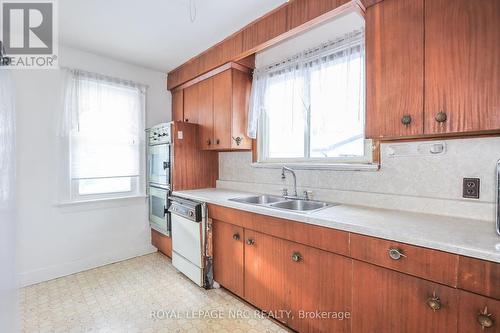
x=478, y=314
x=479, y=276
x=426, y=263
x=229, y=215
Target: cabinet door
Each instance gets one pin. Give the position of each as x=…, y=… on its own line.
x=318, y=284
x=478, y=314
x=227, y=240
x=205, y=115
x=178, y=105
x=223, y=97
x=265, y=273
x=386, y=301
x=462, y=67
x=395, y=68
x=191, y=104
x=242, y=84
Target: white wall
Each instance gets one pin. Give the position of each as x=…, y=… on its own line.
x=57, y=240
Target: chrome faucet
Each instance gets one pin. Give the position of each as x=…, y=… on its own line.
x=283, y=177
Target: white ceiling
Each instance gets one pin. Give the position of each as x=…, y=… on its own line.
x=157, y=34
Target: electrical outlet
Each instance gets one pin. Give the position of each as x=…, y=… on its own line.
x=471, y=188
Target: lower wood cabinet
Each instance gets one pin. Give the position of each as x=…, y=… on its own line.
x=227, y=240
x=478, y=314
x=265, y=276
x=386, y=301
x=357, y=289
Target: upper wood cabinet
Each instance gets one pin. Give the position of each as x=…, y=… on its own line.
x=191, y=104
x=178, y=105
x=462, y=65
x=219, y=104
x=395, y=68
x=443, y=52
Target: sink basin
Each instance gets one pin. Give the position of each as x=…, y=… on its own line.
x=300, y=205
x=259, y=199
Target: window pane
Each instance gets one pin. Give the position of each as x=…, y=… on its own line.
x=104, y=185
x=285, y=118
x=337, y=110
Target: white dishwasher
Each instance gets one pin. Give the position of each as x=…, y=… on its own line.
x=189, y=239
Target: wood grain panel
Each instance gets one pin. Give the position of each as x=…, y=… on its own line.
x=228, y=256
x=385, y=301
x=322, y=238
x=223, y=96
x=394, y=68
x=205, y=113
x=192, y=168
x=242, y=84
x=266, y=28
x=369, y=3
x=178, y=105
x=426, y=263
x=319, y=281
x=479, y=276
x=265, y=277
x=471, y=306
x=301, y=11
x=462, y=65
x=191, y=101
x=162, y=243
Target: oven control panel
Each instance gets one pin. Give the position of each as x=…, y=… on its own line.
x=160, y=134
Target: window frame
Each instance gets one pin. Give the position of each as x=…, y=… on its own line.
x=347, y=162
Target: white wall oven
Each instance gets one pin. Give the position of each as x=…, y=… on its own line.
x=159, y=175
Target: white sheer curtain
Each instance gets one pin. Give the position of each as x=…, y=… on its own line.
x=103, y=120
x=8, y=281
x=317, y=94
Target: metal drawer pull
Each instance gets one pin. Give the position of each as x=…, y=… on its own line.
x=484, y=319
x=406, y=120
x=236, y=236
x=441, y=117
x=250, y=241
x=296, y=256
x=396, y=254
x=434, y=302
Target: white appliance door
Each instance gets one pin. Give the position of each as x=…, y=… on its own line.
x=159, y=164
x=186, y=239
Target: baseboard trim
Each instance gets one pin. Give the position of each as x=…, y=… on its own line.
x=56, y=271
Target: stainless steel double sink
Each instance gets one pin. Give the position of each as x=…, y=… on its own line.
x=272, y=201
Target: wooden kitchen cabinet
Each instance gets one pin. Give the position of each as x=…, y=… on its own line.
x=385, y=301
x=462, y=66
x=317, y=282
x=478, y=314
x=205, y=113
x=479, y=276
x=227, y=240
x=265, y=278
x=191, y=104
x=178, y=105
x=395, y=68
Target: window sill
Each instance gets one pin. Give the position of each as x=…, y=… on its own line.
x=319, y=166
x=97, y=201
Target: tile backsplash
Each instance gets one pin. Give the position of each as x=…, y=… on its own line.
x=422, y=183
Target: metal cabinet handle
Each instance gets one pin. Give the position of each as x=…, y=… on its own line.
x=484, y=319
x=236, y=236
x=406, y=120
x=209, y=142
x=296, y=256
x=441, y=117
x=250, y=241
x=434, y=302
x=186, y=120
x=396, y=254
x=238, y=140
x=217, y=141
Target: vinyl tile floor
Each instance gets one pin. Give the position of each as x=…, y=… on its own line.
x=143, y=294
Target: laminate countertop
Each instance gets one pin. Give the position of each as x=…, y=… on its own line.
x=472, y=238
